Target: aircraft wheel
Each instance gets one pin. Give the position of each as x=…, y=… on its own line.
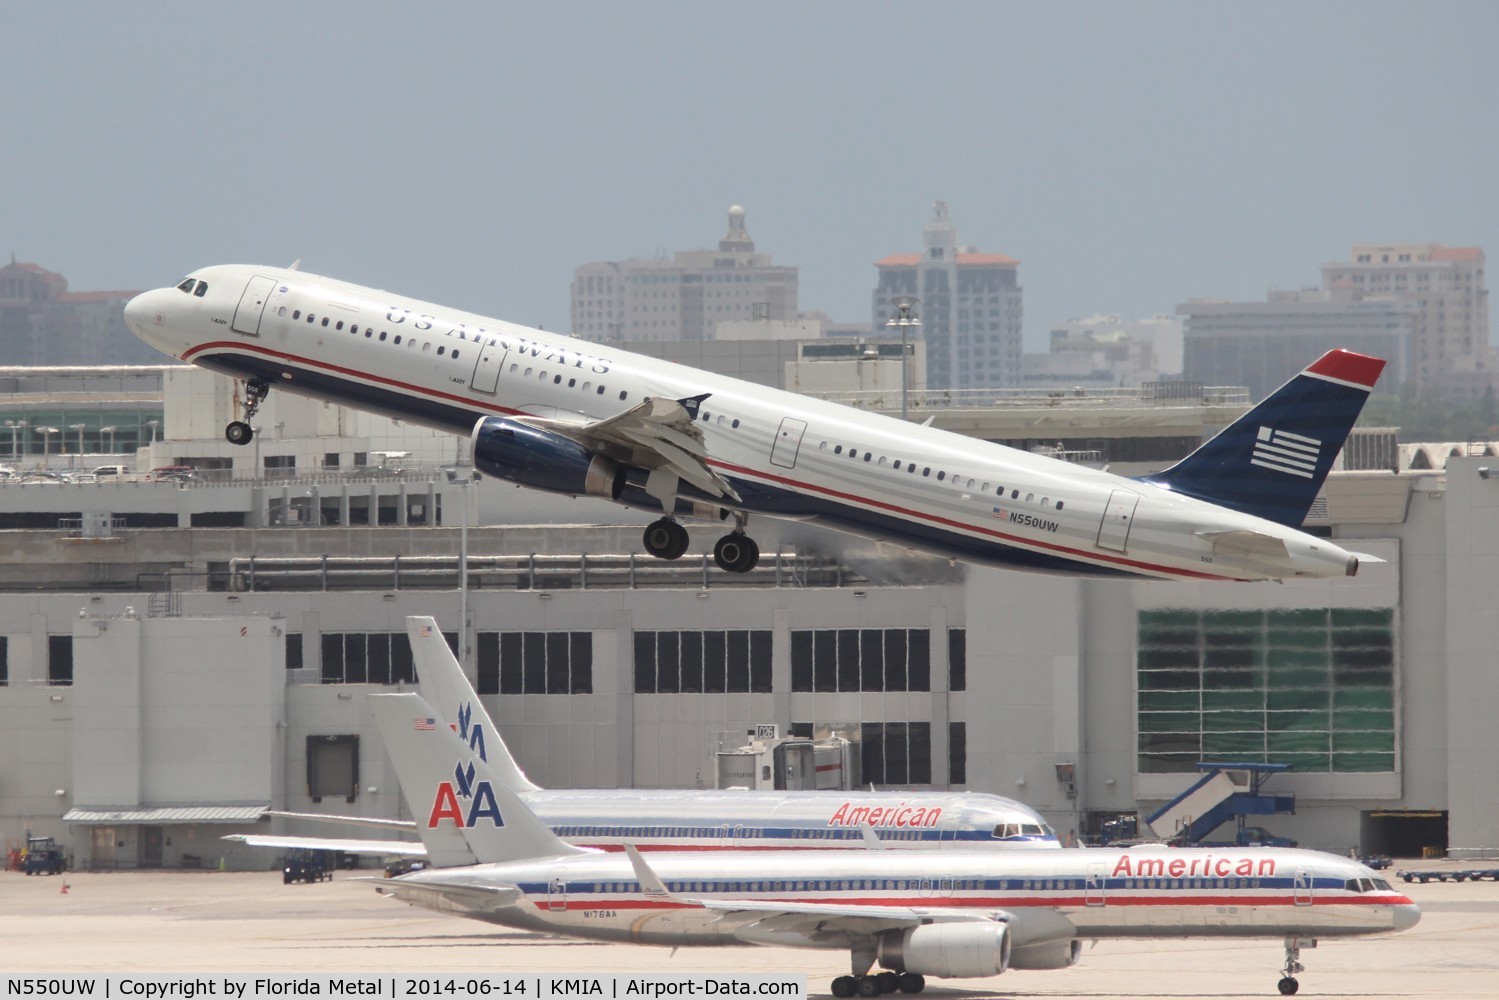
x=844, y=986
x=1288, y=986
x=889, y=982
x=239, y=432
x=910, y=982
x=736, y=553
x=665, y=539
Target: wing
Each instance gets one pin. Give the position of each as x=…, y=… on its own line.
x=468, y=897
x=379, y=824
x=656, y=433
x=382, y=848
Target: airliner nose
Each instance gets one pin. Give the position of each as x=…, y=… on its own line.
x=137, y=312
x=1407, y=915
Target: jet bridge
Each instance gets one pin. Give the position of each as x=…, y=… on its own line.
x=1224, y=792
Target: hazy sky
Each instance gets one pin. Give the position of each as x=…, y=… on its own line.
x=1132, y=155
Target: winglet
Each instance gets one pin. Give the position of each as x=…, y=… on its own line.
x=693, y=403
x=650, y=882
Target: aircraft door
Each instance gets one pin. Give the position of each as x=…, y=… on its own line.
x=1093, y=894
x=788, y=442
x=1113, y=533
x=556, y=895
x=1303, y=889
x=486, y=377
x=252, y=305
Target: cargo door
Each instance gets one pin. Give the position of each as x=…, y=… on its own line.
x=1118, y=517
x=252, y=305
x=788, y=442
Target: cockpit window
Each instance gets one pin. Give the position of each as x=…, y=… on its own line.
x=187, y=285
x=1365, y=884
x=201, y=290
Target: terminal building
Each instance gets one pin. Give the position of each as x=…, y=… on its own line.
x=166, y=680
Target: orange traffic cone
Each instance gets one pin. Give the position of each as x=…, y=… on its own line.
x=64, y=888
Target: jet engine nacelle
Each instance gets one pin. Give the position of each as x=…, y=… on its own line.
x=542, y=460
x=1051, y=955
x=967, y=950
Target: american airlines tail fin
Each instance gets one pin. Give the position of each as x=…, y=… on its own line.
x=446, y=688
x=449, y=789
x=1271, y=462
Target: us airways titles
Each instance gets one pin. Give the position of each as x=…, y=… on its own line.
x=545, y=352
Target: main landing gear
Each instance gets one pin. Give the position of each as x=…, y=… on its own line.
x=240, y=431
x=665, y=539
x=735, y=552
x=1288, y=984
x=878, y=984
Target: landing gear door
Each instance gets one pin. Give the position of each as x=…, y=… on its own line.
x=252, y=305
x=788, y=443
x=486, y=376
x=1113, y=533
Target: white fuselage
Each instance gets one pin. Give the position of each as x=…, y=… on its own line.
x=680, y=820
x=786, y=455
x=1134, y=892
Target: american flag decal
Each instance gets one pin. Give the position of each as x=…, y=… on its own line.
x=424, y=725
x=425, y=631
x=1286, y=452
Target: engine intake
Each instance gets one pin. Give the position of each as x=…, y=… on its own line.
x=966, y=950
x=541, y=460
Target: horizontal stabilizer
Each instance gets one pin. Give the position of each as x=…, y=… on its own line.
x=375, y=848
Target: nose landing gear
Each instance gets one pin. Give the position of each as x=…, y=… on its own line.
x=240, y=432
x=1288, y=984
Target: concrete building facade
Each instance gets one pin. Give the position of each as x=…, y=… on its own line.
x=970, y=307
x=126, y=707
x=43, y=323
x=684, y=297
x=1263, y=344
x=1444, y=286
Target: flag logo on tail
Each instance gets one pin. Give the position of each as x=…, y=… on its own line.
x=424, y=725
x=1283, y=451
x=425, y=631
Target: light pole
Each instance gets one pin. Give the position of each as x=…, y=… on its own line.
x=16, y=426
x=46, y=433
x=153, y=424
x=110, y=433
x=79, y=428
x=905, y=319
x=462, y=478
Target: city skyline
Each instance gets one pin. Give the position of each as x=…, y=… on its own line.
x=1130, y=158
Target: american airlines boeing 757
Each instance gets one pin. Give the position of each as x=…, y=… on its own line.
x=571, y=417
x=953, y=913
x=677, y=819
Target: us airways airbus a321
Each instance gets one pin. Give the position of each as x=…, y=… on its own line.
x=558, y=414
